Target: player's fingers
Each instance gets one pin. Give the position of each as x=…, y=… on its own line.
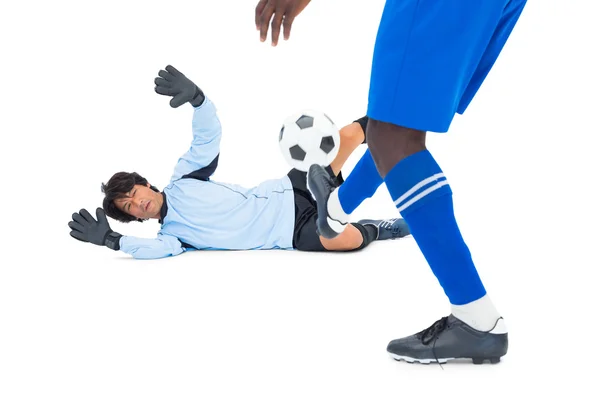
x=258, y=12
x=276, y=26
x=101, y=215
x=78, y=236
x=86, y=215
x=162, y=82
x=164, y=74
x=265, y=18
x=76, y=226
x=79, y=219
x=165, y=91
x=287, y=25
x=173, y=71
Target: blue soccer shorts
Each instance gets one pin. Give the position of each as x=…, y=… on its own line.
x=431, y=57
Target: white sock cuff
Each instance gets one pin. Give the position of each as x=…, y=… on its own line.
x=334, y=208
x=480, y=314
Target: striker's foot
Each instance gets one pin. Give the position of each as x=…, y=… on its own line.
x=448, y=339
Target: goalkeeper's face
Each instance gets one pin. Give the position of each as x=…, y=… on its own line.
x=141, y=202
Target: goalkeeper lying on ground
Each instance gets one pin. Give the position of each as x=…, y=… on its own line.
x=198, y=213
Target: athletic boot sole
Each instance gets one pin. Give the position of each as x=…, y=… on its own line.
x=320, y=186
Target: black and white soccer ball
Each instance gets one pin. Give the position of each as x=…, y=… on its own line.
x=309, y=137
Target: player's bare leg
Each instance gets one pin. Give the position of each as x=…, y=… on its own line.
x=351, y=238
x=359, y=234
x=389, y=144
x=351, y=136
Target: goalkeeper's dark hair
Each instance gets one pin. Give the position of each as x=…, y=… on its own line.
x=116, y=188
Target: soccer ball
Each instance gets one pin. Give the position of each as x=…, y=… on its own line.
x=309, y=137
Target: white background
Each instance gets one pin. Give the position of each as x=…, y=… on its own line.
x=82, y=322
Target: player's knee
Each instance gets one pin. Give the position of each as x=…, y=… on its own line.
x=351, y=135
x=389, y=144
x=350, y=239
x=383, y=133
x=345, y=136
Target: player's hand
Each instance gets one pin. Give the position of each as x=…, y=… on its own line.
x=85, y=228
x=171, y=82
x=277, y=12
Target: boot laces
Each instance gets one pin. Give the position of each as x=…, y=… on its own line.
x=388, y=224
x=432, y=333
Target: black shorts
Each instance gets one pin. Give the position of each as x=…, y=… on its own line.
x=305, y=227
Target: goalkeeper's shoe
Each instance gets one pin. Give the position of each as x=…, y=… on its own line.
x=394, y=228
x=321, y=185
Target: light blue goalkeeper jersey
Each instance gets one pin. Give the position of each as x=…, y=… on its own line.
x=199, y=213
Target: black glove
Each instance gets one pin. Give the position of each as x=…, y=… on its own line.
x=173, y=83
x=85, y=228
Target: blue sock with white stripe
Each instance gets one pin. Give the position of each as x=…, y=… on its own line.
x=424, y=199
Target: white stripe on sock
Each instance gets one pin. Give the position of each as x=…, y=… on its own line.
x=418, y=186
x=421, y=195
